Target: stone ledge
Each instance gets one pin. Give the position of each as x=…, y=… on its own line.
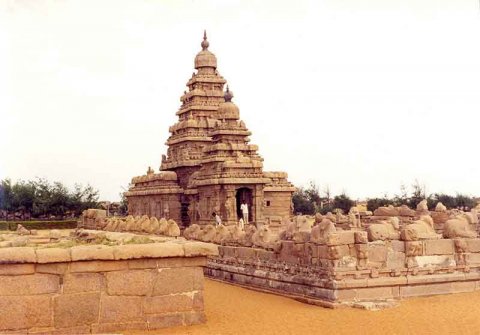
x=101, y=252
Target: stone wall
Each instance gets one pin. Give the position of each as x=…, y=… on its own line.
x=99, y=289
x=347, y=269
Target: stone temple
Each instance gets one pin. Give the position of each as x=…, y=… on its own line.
x=210, y=166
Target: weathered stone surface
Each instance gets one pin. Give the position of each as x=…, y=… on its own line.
x=473, y=245
x=115, y=327
x=340, y=238
x=23, y=312
x=17, y=255
x=92, y=252
x=29, y=284
x=395, y=260
x=52, y=268
x=377, y=252
x=175, y=262
x=83, y=282
x=16, y=269
x=429, y=261
x=200, y=249
x=118, y=309
x=132, y=282
x=53, y=255
x=152, y=250
x=177, y=280
x=98, y=266
x=195, y=318
x=137, y=264
x=439, y=247
x=168, y=303
x=76, y=309
x=165, y=320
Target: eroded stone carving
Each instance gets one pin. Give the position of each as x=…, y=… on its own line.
x=458, y=227
x=321, y=231
x=421, y=229
x=384, y=230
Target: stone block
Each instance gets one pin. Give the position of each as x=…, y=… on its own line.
x=53, y=255
x=288, y=253
x=377, y=252
x=151, y=250
x=361, y=237
x=165, y=320
x=432, y=261
x=425, y=290
x=132, y=282
x=340, y=238
x=377, y=293
x=194, y=318
x=120, y=309
x=115, y=327
x=386, y=281
x=435, y=278
x=439, y=247
x=395, y=260
x=333, y=252
x=168, y=304
x=472, y=258
x=53, y=268
x=76, y=309
x=473, y=244
x=92, y=252
x=16, y=269
x=200, y=249
x=226, y=251
x=265, y=255
x=175, y=262
x=22, y=312
x=17, y=255
x=98, y=266
x=83, y=282
x=137, y=264
x=29, y=284
x=71, y=330
x=246, y=253
x=177, y=280
x=397, y=245
x=414, y=248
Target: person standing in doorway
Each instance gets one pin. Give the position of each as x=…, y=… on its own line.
x=218, y=219
x=244, y=209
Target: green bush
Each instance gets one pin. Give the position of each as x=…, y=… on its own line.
x=12, y=225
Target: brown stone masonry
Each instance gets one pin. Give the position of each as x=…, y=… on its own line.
x=99, y=289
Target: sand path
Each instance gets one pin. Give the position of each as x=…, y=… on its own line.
x=235, y=310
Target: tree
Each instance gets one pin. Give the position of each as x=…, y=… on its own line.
x=374, y=203
x=302, y=203
x=343, y=202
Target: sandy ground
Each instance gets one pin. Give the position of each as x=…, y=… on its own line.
x=235, y=310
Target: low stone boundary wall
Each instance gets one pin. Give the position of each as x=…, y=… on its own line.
x=98, y=289
x=348, y=269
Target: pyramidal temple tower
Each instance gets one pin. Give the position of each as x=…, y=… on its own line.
x=210, y=166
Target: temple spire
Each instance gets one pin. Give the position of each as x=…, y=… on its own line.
x=228, y=95
x=205, y=43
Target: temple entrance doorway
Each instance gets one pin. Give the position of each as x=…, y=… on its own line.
x=244, y=195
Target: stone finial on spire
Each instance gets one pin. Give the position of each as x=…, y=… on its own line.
x=228, y=95
x=205, y=43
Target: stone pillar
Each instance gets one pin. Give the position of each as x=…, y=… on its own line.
x=258, y=203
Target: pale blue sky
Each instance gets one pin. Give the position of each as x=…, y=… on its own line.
x=358, y=95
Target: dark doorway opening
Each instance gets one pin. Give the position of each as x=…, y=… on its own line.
x=244, y=195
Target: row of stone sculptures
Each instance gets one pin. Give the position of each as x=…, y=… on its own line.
x=320, y=229
x=141, y=224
